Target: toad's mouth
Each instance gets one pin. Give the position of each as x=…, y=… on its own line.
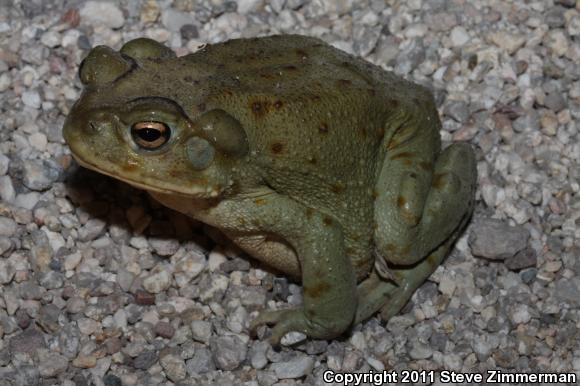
x=202, y=189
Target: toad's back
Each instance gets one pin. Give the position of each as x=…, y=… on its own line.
x=315, y=116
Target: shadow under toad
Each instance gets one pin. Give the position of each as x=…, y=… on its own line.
x=133, y=212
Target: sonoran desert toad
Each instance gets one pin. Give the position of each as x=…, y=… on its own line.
x=323, y=166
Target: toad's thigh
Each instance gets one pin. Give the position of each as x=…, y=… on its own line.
x=419, y=207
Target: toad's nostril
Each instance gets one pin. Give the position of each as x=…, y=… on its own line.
x=93, y=127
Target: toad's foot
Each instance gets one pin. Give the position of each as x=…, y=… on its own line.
x=285, y=321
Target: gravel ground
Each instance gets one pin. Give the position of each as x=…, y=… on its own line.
x=102, y=286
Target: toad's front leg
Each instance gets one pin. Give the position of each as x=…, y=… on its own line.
x=312, y=240
x=330, y=295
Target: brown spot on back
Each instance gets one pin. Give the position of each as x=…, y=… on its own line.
x=438, y=180
x=278, y=104
x=390, y=248
x=327, y=221
x=290, y=67
x=323, y=128
x=375, y=194
x=401, y=201
x=392, y=104
x=317, y=289
x=402, y=134
x=277, y=147
x=260, y=108
x=173, y=173
x=406, y=131
x=432, y=260
x=266, y=75
x=189, y=79
x=363, y=132
x=257, y=107
x=309, y=212
x=392, y=144
x=381, y=132
x=403, y=155
x=259, y=201
x=337, y=188
x=300, y=52
x=312, y=160
x=425, y=165
x=344, y=82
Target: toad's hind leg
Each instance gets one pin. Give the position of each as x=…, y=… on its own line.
x=414, y=236
x=418, y=209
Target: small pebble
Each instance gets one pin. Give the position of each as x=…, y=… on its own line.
x=112, y=380
x=164, y=330
x=27, y=341
x=201, y=363
x=459, y=36
x=31, y=99
x=522, y=259
x=201, y=330
x=568, y=290
x=102, y=13
x=51, y=364
x=85, y=361
x=495, y=240
x=228, y=352
x=39, y=175
x=174, y=366
x=145, y=360
x=294, y=368
x=7, y=226
x=157, y=282
x=38, y=141
x=144, y=298
x=4, y=163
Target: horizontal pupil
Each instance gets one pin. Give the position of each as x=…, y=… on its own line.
x=149, y=135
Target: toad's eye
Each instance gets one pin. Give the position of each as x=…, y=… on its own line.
x=150, y=135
